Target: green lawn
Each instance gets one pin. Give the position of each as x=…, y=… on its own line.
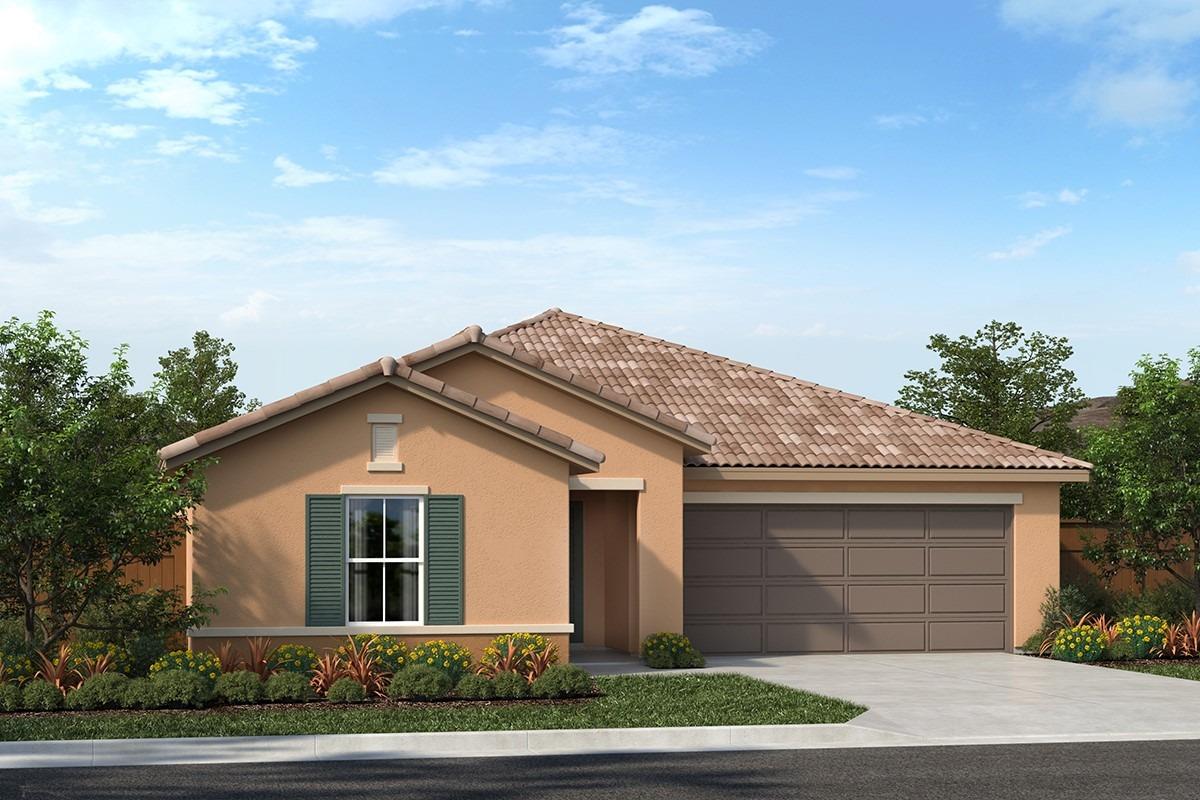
x=629, y=701
x=1171, y=669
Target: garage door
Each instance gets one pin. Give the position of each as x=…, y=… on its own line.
x=831, y=579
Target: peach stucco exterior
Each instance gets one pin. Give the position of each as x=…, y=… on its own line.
x=250, y=537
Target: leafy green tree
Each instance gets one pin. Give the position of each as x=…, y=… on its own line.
x=1145, y=486
x=196, y=386
x=82, y=490
x=1003, y=381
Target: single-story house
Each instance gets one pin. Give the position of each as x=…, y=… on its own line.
x=593, y=484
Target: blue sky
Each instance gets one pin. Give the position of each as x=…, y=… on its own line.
x=814, y=188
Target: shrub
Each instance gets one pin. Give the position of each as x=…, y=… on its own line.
x=293, y=658
x=420, y=682
x=242, y=687
x=1141, y=635
x=562, y=680
x=10, y=697
x=140, y=693
x=39, y=695
x=474, y=687
x=359, y=661
x=1172, y=600
x=510, y=686
x=390, y=653
x=105, y=690
x=181, y=688
x=511, y=652
x=450, y=658
x=670, y=651
x=15, y=667
x=85, y=656
x=288, y=687
x=346, y=690
x=12, y=635
x=144, y=649
x=199, y=662
x=1080, y=643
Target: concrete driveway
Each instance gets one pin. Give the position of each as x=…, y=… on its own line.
x=979, y=697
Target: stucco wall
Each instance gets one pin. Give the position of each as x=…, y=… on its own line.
x=631, y=451
x=1035, y=528
x=250, y=534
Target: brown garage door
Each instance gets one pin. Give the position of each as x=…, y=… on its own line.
x=825, y=579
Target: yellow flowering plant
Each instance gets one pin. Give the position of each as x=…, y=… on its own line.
x=15, y=668
x=514, y=652
x=1141, y=635
x=450, y=658
x=293, y=658
x=1079, y=644
x=201, y=662
x=84, y=652
x=390, y=652
x=670, y=651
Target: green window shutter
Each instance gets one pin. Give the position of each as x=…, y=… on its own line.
x=325, y=603
x=444, y=560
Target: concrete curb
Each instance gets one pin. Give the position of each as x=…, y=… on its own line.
x=476, y=744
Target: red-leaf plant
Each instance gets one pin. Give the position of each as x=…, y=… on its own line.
x=56, y=671
x=359, y=662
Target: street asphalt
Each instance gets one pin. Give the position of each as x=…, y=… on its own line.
x=1145, y=770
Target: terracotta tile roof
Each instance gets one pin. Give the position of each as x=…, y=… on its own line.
x=386, y=367
x=763, y=418
x=699, y=438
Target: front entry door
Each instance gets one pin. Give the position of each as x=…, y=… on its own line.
x=576, y=569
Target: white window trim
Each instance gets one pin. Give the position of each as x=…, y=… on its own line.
x=419, y=561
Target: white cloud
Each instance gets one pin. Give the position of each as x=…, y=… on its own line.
x=251, y=310
x=102, y=134
x=475, y=162
x=467, y=32
x=1028, y=246
x=1190, y=259
x=1143, y=97
x=833, y=173
x=360, y=12
x=783, y=214
x=294, y=175
x=16, y=197
x=658, y=39
x=894, y=122
x=1065, y=196
x=182, y=94
x=1122, y=22
x=812, y=330
x=194, y=144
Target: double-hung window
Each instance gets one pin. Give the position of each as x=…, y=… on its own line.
x=385, y=580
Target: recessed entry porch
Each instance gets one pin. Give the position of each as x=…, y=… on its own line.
x=603, y=584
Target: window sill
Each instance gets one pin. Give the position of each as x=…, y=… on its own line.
x=385, y=466
x=391, y=628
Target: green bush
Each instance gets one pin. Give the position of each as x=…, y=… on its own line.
x=1141, y=635
x=106, y=690
x=670, y=651
x=389, y=652
x=12, y=635
x=346, y=690
x=41, y=696
x=181, y=688
x=1079, y=644
x=524, y=645
x=293, y=658
x=198, y=662
x=450, y=658
x=239, y=688
x=1170, y=601
x=140, y=693
x=288, y=687
x=562, y=680
x=419, y=682
x=119, y=656
x=144, y=649
x=16, y=666
x=10, y=697
x=510, y=686
x=474, y=687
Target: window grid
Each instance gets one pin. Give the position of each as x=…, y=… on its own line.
x=419, y=560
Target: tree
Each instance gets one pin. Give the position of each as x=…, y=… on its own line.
x=1002, y=381
x=195, y=386
x=1145, y=485
x=82, y=490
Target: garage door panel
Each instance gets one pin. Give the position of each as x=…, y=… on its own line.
x=966, y=560
x=726, y=637
x=805, y=637
x=887, y=599
x=890, y=637
x=805, y=562
x=819, y=579
x=723, y=524
x=870, y=523
x=967, y=635
x=870, y=561
x=723, y=562
x=733, y=600
x=805, y=600
x=970, y=523
x=953, y=598
x=805, y=524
